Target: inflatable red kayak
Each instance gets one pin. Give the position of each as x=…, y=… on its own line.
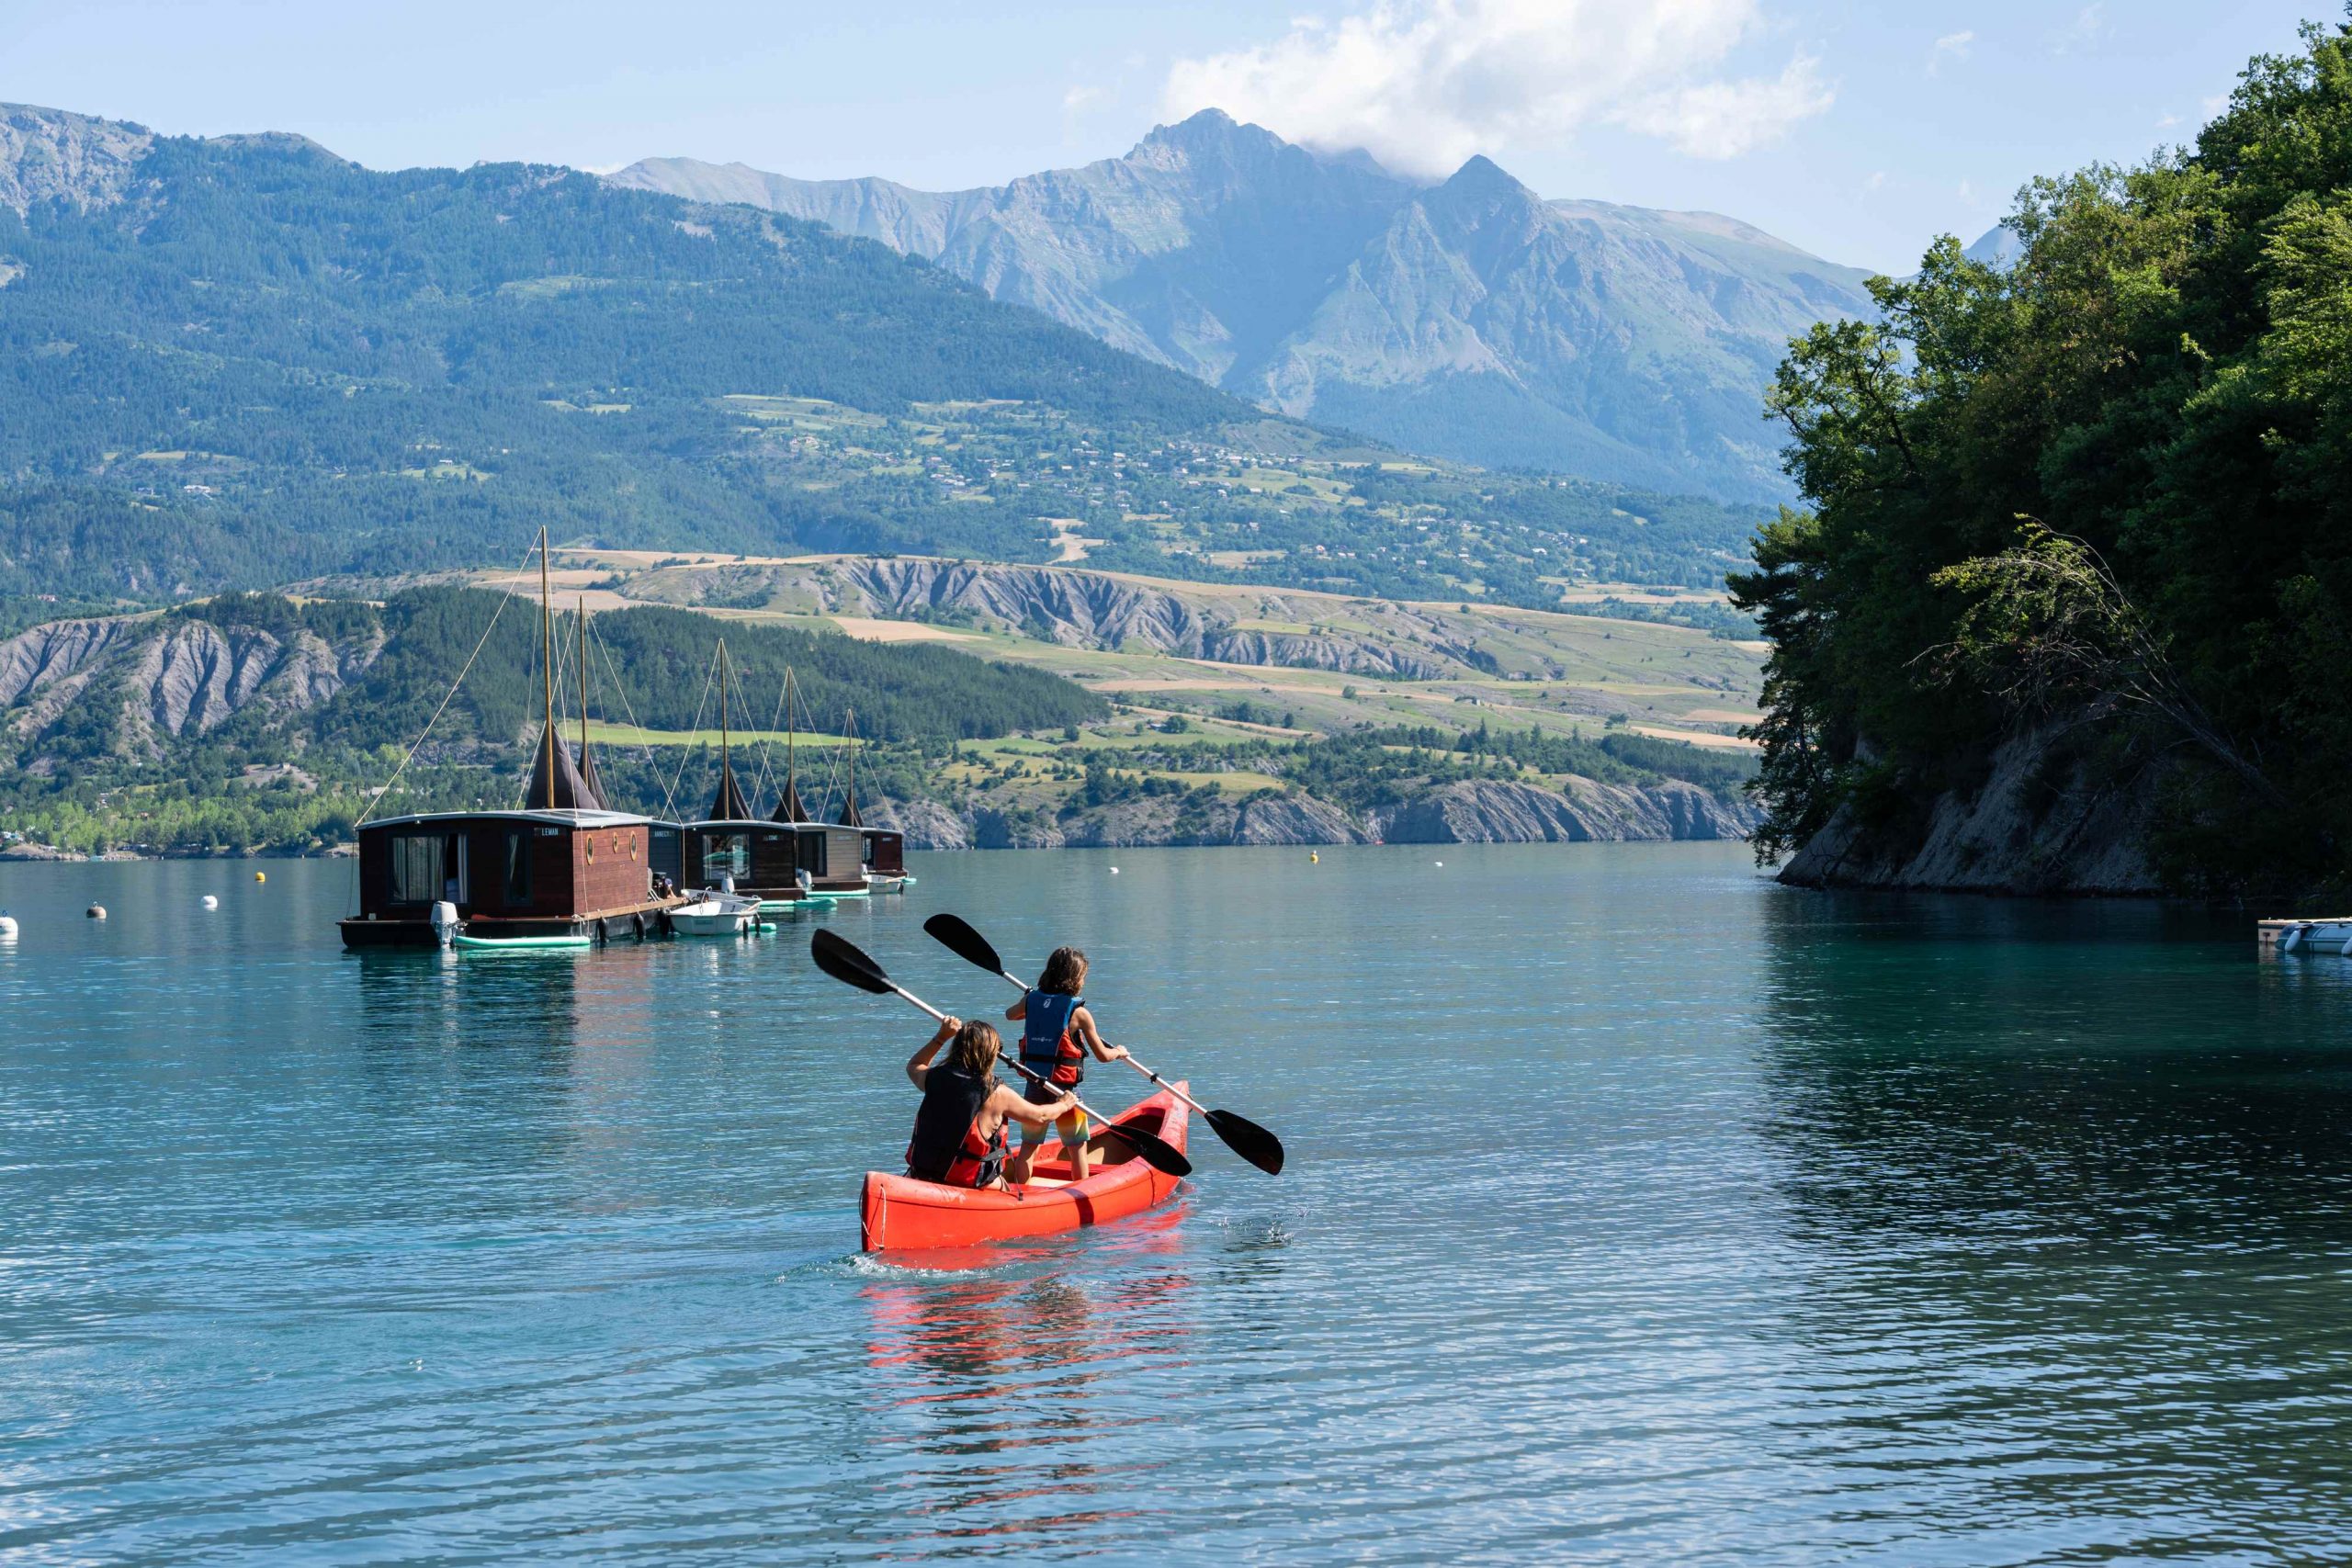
x=901, y=1213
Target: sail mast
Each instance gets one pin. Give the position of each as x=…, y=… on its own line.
x=849, y=791
x=547, y=653
x=725, y=772
x=584, y=683
x=791, y=790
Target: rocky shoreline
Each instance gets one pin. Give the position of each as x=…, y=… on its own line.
x=2045, y=820
x=1473, y=812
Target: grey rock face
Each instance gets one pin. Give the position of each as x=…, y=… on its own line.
x=169, y=677
x=51, y=155
x=927, y=824
x=2041, y=824
x=1076, y=608
x=1489, y=812
x=1296, y=820
x=1471, y=813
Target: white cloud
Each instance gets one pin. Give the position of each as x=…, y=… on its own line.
x=1953, y=47
x=2166, y=121
x=2088, y=26
x=1876, y=182
x=1424, y=84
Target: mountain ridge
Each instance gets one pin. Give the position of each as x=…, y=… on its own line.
x=1468, y=318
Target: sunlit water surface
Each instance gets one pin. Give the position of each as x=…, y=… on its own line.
x=1639, y=1211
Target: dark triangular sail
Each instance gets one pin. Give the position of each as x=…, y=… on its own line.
x=588, y=776
x=850, y=817
x=727, y=805
x=572, y=792
x=788, y=808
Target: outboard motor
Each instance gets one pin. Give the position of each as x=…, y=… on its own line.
x=445, y=922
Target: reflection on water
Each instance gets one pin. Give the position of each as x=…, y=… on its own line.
x=2068, y=1207
x=1637, y=1211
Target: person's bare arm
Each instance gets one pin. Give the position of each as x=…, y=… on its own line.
x=1081, y=1023
x=1017, y=1011
x=1017, y=1108
x=919, y=1065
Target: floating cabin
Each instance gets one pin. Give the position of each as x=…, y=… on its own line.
x=767, y=856
x=561, y=870
x=562, y=866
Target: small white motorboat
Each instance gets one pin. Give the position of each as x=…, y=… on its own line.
x=715, y=913
x=2282, y=938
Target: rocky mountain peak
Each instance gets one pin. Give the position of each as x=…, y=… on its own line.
x=56, y=156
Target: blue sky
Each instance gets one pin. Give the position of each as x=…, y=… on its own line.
x=1856, y=130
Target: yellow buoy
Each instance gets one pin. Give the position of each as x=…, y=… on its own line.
x=260, y=876
x=1313, y=857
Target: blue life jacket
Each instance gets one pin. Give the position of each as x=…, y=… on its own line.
x=1047, y=1047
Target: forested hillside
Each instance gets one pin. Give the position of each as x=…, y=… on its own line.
x=245, y=361
x=2070, y=603
x=216, y=718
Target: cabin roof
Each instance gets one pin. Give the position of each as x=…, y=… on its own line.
x=560, y=819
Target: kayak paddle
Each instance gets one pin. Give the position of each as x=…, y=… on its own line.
x=1241, y=1135
x=849, y=964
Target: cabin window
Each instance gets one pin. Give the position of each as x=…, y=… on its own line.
x=517, y=847
x=428, y=867
x=726, y=854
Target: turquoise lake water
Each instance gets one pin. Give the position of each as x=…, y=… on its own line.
x=1639, y=1211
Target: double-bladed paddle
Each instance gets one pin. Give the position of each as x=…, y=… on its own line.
x=1241, y=1135
x=849, y=964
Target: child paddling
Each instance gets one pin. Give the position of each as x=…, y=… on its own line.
x=1057, y=1035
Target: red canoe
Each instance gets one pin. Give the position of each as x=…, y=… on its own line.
x=902, y=1212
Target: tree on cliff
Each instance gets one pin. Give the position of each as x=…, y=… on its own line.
x=2160, y=390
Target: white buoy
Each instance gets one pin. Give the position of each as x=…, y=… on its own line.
x=1441, y=866
x=211, y=902
x=7, y=928
x=1115, y=871
x=95, y=911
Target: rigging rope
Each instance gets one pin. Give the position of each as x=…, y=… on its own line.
x=604, y=651
x=693, y=738
x=503, y=598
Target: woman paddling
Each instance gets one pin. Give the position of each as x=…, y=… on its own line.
x=1057, y=1035
x=959, y=1139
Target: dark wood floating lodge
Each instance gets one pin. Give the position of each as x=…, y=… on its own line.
x=786, y=856
x=564, y=868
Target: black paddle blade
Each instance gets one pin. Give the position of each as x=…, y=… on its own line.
x=845, y=962
x=955, y=934
x=1250, y=1141
x=1154, y=1150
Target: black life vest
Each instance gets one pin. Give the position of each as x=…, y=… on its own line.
x=948, y=1146
x=1047, y=1047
